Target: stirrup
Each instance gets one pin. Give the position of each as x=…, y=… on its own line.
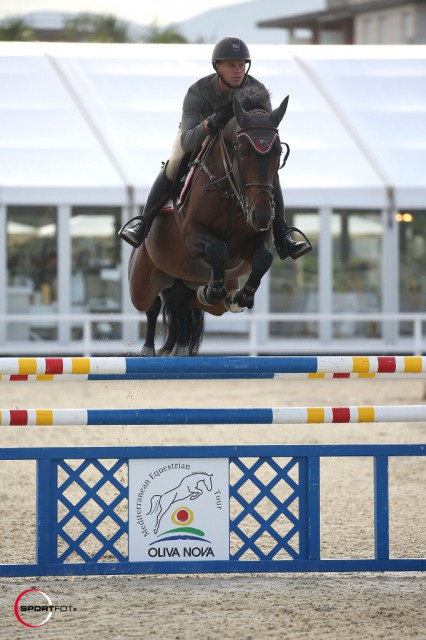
x=126, y=224
x=122, y=233
x=303, y=250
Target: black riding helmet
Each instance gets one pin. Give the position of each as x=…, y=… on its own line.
x=230, y=48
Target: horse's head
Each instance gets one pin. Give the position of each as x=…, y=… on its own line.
x=207, y=480
x=256, y=160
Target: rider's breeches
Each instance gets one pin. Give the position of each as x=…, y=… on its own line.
x=176, y=158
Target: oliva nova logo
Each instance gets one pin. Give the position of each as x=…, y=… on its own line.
x=179, y=509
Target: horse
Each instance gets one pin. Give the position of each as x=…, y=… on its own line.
x=191, y=262
x=189, y=487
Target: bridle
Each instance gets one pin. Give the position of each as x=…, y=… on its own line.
x=261, y=137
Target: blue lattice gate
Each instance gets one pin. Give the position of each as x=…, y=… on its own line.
x=83, y=510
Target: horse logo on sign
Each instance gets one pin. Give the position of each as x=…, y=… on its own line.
x=189, y=487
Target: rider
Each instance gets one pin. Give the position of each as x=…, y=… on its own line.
x=206, y=108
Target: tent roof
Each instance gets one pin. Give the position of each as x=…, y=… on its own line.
x=91, y=124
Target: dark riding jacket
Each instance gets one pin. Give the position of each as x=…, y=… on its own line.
x=202, y=99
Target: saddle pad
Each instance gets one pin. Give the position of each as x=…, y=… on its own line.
x=191, y=172
x=168, y=207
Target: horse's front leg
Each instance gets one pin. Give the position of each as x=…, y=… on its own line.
x=244, y=298
x=214, y=291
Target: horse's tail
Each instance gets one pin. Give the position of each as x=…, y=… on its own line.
x=196, y=331
x=155, y=502
x=170, y=322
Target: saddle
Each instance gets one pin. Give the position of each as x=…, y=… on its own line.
x=184, y=178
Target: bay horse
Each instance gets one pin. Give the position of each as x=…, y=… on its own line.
x=191, y=262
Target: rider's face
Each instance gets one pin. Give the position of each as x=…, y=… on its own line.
x=232, y=71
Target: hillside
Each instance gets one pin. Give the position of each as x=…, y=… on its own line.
x=241, y=19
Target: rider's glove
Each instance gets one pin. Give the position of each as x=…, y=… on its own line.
x=220, y=118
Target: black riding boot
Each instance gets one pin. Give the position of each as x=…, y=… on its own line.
x=284, y=243
x=160, y=192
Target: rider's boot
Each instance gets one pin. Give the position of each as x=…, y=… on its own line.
x=284, y=243
x=135, y=230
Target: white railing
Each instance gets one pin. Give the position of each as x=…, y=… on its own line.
x=251, y=341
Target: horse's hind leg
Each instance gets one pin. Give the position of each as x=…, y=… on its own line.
x=152, y=313
x=176, y=320
x=177, y=326
x=183, y=321
x=181, y=347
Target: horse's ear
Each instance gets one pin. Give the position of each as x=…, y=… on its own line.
x=278, y=114
x=240, y=114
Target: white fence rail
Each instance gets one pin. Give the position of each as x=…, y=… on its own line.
x=252, y=333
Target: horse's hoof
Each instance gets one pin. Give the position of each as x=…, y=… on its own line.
x=201, y=295
x=180, y=350
x=148, y=352
x=230, y=304
x=214, y=298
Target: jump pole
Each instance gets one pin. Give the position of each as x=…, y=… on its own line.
x=126, y=368
x=277, y=415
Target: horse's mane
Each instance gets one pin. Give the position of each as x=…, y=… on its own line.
x=252, y=98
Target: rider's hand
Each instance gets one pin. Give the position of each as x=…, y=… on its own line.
x=220, y=118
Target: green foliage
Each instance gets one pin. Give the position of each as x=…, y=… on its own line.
x=16, y=30
x=169, y=35
x=85, y=27
x=88, y=27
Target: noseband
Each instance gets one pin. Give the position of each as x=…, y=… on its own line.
x=261, y=138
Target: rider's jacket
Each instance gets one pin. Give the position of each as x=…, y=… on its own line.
x=202, y=99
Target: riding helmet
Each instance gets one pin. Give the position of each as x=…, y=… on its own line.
x=230, y=48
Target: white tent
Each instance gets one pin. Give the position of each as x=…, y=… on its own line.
x=91, y=124
x=83, y=226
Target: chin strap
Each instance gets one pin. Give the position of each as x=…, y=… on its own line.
x=227, y=83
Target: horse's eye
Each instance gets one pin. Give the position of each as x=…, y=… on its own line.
x=241, y=151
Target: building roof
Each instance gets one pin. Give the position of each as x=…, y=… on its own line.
x=303, y=20
x=91, y=124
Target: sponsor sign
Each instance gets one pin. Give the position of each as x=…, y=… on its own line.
x=179, y=509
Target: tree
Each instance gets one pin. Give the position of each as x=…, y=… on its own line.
x=168, y=35
x=89, y=27
x=86, y=27
x=16, y=29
